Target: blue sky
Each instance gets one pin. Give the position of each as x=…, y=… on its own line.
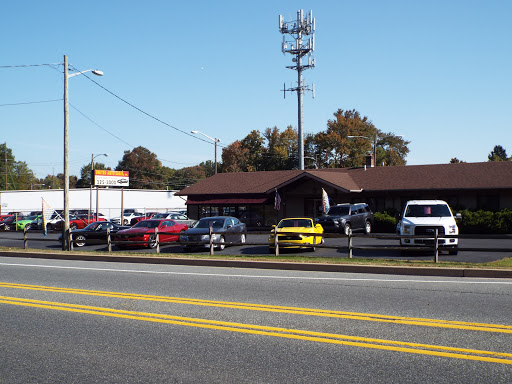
x=437, y=72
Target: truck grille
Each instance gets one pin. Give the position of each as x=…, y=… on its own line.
x=429, y=230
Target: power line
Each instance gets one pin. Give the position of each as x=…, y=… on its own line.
x=31, y=102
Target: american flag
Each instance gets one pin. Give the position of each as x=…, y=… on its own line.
x=277, y=201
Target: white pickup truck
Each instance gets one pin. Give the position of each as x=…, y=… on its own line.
x=423, y=217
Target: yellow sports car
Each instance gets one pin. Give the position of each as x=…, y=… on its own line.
x=304, y=229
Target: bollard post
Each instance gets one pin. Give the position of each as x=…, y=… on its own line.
x=70, y=240
x=276, y=242
x=25, y=238
x=210, y=230
x=436, y=246
x=349, y=243
x=157, y=237
x=109, y=243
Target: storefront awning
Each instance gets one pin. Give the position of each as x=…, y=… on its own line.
x=231, y=201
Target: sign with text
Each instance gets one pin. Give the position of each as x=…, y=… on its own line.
x=106, y=178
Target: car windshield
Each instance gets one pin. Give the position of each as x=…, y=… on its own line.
x=339, y=211
x=160, y=215
x=306, y=223
x=428, y=210
x=206, y=223
x=91, y=227
x=147, y=224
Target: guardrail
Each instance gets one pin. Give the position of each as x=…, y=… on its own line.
x=350, y=247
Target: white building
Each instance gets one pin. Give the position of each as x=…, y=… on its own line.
x=110, y=200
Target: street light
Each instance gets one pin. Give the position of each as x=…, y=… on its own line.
x=65, y=229
x=93, y=156
x=214, y=140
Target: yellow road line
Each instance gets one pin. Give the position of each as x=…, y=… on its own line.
x=497, y=328
x=388, y=345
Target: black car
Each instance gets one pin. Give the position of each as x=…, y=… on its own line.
x=94, y=233
x=226, y=229
x=346, y=217
x=9, y=223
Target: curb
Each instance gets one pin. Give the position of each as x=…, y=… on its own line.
x=348, y=268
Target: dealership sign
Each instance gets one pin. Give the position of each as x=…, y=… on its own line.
x=110, y=178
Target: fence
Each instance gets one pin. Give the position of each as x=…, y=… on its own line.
x=154, y=242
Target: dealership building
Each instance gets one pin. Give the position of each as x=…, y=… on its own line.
x=252, y=195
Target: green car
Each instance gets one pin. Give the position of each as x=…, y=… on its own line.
x=25, y=222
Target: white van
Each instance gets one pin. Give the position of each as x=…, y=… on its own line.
x=422, y=217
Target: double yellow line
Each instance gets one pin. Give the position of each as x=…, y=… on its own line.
x=381, y=344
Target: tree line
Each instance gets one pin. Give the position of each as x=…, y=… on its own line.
x=346, y=142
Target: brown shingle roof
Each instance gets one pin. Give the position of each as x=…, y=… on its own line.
x=488, y=175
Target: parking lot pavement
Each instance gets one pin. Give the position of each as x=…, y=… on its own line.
x=257, y=245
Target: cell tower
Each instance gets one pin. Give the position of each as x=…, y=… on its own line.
x=303, y=26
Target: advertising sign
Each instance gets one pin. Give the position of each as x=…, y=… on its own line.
x=106, y=178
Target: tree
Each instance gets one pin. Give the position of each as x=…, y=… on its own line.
x=144, y=167
x=235, y=157
x=498, y=154
x=85, y=174
x=456, y=161
x=334, y=148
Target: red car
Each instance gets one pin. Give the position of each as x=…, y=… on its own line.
x=136, y=219
x=77, y=222
x=143, y=233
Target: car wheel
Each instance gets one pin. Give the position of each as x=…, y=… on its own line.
x=221, y=244
x=346, y=230
x=152, y=241
x=258, y=223
x=73, y=226
x=242, y=238
x=7, y=227
x=367, y=227
x=312, y=249
x=125, y=222
x=27, y=226
x=80, y=241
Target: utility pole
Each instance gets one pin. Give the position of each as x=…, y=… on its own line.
x=303, y=26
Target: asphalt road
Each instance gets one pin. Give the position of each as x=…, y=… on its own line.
x=256, y=245
x=76, y=321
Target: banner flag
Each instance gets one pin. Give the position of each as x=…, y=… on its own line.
x=47, y=214
x=325, y=202
x=277, y=201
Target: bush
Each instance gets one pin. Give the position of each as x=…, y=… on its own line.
x=384, y=223
x=486, y=222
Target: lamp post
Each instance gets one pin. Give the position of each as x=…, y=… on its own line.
x=214, y=140
x=65, y=229
x=93, y=156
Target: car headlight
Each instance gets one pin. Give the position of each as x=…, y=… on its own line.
x=406, y=229
x=452, y=229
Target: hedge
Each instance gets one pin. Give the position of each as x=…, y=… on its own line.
x=472, y=222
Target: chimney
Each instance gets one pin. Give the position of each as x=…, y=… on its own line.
x=369, y=161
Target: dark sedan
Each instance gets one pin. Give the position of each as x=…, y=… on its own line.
x=226, y=230
x=94, y=233
x=9, y=223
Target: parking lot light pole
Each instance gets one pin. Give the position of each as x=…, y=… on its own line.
x=214, y=140
x=93, y=156
x=65, y=228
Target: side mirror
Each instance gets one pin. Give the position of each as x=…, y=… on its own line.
x=458, y=216
x=273, y=227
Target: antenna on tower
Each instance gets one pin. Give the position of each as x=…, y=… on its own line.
x=303, y=26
